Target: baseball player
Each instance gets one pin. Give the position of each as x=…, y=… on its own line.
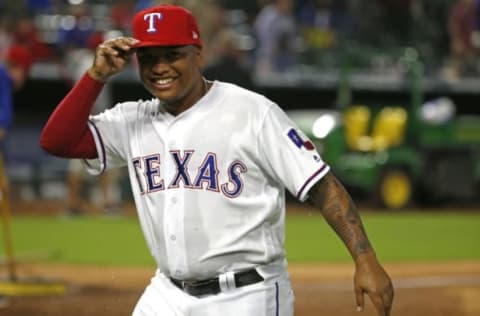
x=208, y=163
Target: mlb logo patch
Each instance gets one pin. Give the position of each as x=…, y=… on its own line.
x=300, y=140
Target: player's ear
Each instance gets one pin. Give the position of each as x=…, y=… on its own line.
x=199, y=56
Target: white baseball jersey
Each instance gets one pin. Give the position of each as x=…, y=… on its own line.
x=209, y=184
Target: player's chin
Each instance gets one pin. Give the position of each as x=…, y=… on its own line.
x=161, y=92
x=164, y=96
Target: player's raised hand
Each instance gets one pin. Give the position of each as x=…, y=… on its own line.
x=111, y=57
x=371, y=278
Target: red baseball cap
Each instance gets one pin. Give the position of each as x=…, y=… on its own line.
x=165, y=25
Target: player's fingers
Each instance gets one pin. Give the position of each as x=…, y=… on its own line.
x=379, y=304
x=359, y=299
x=117, y=46
x=388, y=300
x=106, y=50
x=125, y=43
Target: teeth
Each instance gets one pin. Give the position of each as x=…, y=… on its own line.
x=164, y=81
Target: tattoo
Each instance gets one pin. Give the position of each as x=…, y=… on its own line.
x=341, y=214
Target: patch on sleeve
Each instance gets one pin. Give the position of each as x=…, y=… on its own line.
x=300, y=140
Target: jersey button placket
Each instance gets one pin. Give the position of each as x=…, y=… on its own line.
x=174, y=217
x=173, y=201
x=173, y=229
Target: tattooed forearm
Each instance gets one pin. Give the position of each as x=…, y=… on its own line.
x=340, y=213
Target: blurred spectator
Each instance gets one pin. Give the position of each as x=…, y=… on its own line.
x=430, y=37
x=5, y=36
x=11, y=8
x=477, y=15
x=81, y=196
x=76, y=37
x=368, y=14
x=121, y=14
x=211, y=19
x=324, y=22
x=229, y=64
x=76, y=29
x=463, y=31
x=143, y=4
x=396, y=20
x=40, y=6
x=383, y=23
x=108, y=200
x=17, y=64
x=276, y=35
x=13, y=73
x=25, y=33
x=250, y=7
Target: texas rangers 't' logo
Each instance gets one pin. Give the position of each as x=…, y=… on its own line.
x=151, y=17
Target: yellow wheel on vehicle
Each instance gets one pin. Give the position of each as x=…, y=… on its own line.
x=395, y=189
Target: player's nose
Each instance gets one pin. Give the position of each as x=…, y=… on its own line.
x=160, y=66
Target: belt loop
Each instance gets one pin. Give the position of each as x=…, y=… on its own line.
x=227, y=281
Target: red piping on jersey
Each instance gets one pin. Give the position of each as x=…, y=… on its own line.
x=299, y=194
x=66, y=133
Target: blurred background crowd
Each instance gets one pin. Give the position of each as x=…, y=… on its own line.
x=266, y=36
x=253, y=43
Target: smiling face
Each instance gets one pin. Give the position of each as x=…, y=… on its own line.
x=172, y=74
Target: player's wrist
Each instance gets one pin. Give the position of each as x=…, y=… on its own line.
x=367, y=258
x=95, y=75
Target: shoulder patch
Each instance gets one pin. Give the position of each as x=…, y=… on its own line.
x=299, y=139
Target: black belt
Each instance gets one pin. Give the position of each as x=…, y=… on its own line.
x=212, y=286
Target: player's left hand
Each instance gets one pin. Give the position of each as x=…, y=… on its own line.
x=371, y=278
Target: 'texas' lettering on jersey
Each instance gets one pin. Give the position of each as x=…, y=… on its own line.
x=206, y=175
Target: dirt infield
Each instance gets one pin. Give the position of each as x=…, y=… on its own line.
x=444, y=289
x=433, y=289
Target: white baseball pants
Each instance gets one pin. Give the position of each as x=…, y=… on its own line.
x=272, y=297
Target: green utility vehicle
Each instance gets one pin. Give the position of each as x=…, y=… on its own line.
x=419, y=152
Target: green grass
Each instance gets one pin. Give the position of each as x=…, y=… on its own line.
x=81, y=240
x=412, y=236
x=406, y=236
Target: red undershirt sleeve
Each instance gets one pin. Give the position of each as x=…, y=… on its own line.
x=66, y=133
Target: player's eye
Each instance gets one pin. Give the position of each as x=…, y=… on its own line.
x=173, y=55
x=146, y=58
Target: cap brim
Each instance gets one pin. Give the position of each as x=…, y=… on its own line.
x=147, y=44
x=153, y=44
